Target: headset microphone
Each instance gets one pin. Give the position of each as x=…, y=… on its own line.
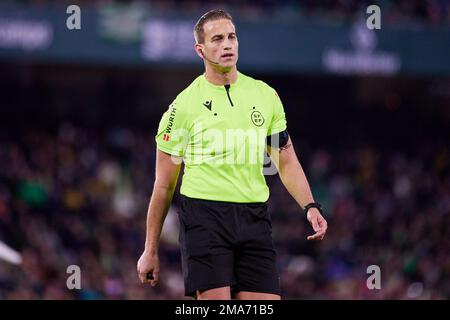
x=203, y=55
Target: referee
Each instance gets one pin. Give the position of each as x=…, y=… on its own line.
x=220, y=126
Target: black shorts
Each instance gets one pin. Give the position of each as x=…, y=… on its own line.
x=227, y=244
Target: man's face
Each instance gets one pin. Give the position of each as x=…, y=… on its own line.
x=221, y=44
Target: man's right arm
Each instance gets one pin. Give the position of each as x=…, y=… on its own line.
x=166, y=177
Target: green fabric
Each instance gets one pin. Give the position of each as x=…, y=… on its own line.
x=222, y=146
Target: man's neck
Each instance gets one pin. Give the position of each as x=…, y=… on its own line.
x=221, y=78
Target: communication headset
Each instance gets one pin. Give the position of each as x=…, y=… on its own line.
x=203, y=55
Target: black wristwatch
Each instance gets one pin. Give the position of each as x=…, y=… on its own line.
x=312, y=205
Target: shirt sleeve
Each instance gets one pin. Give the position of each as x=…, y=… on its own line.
x=172, y=135
x=278, y=123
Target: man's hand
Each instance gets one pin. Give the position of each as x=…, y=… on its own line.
x=318, y=223
x=148, y=262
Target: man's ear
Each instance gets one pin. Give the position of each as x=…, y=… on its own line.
x=199, y=49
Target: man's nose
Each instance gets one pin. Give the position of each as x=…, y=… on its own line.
x=227, y=45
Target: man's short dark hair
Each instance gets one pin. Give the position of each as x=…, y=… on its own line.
x=199, y=32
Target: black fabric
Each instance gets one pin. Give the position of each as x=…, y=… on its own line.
x=313, y=205
x=227, y=244
x=278, y=140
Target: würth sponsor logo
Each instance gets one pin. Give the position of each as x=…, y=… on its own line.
x=166, y=137
x=170, y=124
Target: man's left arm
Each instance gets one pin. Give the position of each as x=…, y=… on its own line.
x=294, y=179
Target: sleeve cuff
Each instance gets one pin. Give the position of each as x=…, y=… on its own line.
x=168, y=150
x=276, y=130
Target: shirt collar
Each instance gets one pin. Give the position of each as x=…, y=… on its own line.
x=221, y=87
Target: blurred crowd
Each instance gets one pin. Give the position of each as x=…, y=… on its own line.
x=79, y=196
x=436, y=12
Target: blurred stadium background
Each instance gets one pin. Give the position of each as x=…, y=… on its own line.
x=369, y=112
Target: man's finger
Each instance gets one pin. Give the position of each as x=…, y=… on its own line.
x=141, y=278
x=154, y=281
x=313, y=237
x=318, y=235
